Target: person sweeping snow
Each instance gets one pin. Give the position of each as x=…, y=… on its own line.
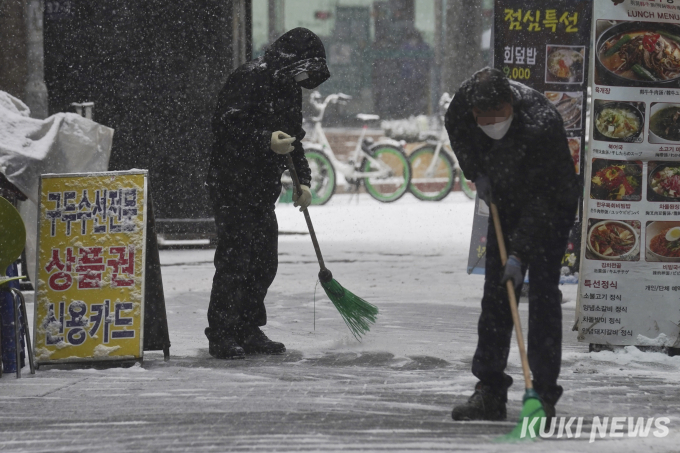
x=510, y=140
x=257, y=122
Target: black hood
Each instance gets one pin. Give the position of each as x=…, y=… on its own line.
x=298, y=50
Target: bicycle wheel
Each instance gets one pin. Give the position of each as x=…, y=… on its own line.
x=391, y=186
x=323, y=176
x=465, y=186
x=437, y=185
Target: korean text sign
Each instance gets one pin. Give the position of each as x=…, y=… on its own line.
x=629, y=291
x=90, y=267
x=544, y=44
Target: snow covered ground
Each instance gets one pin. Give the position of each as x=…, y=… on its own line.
x=393, y=391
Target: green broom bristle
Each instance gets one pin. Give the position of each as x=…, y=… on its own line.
x=355, y=311
x=532, y=409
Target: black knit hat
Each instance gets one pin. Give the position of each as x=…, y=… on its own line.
x=489, y=89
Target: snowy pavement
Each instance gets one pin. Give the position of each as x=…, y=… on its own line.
x=393, y=391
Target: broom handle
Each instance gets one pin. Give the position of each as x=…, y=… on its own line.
x=511, y=297
x=298, y=189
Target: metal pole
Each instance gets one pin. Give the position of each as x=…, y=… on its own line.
x=17, y=334
x=24, y=321
x=276, y=16
x=463, y=40
x=35, y=90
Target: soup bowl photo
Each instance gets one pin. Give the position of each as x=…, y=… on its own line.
x=657, y=174
x=656, y=134
x=602, y=109
x=609, y=76
x=630, y=251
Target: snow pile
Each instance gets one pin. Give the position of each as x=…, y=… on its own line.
x=662, y=341
x=413, y=129
x=633, y=358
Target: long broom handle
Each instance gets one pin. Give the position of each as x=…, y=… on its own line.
x=310, y=227
x=513, y=301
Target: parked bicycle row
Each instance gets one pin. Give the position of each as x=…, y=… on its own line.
x=382, y=167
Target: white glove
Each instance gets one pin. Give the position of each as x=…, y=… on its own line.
x=303, y=200
x=281, y=142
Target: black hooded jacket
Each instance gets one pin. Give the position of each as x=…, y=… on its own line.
x=533, y=179
x=261, y=97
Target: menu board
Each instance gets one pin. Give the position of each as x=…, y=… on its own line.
x=544, y=44
x=629, y=291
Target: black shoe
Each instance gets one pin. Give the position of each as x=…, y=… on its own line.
x=484, y=404
x=226, y=348
x=549, y=410
x=549, y=396
x=254, y=341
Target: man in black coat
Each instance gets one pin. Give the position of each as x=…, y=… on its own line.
x=258, y=120
x=510, y=140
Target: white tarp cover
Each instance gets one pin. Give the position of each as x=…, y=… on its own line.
x=62, y=143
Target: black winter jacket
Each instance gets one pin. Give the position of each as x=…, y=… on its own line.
x=261, y=97
x=533, y=180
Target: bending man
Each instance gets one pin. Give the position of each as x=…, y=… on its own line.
x=510, y=140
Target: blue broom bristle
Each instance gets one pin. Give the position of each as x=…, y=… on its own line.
x=355, y=311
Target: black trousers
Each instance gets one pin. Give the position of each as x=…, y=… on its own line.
x=246, y=261
x=495, y=328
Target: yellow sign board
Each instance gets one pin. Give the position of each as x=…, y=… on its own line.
x=90, y=267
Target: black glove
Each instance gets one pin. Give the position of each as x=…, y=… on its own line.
x=513, y=271
x=483, y=185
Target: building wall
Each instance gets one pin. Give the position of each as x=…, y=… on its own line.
x=12, y=47
x=371, y=51
x=154, y=69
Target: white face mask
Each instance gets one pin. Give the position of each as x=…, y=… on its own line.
x=497, y=131
x=302, y=76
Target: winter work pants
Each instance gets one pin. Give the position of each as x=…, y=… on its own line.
x=495, y=328
x=246, y=261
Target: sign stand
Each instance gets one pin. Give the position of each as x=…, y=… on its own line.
x=156, y=336
x=99, y=291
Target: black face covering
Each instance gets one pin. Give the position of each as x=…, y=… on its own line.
x=297, y=51
x=313, y=81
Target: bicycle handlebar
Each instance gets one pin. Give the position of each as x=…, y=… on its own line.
x=336, y=98
x=445, y=100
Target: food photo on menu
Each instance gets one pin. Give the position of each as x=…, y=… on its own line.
x=619, y=121
x=616, y=180
x=569, y=105
x=614, y=240
x=637, y=54
x=663, y=180
x=564, y=64
x=662, y=239
x=664, y=123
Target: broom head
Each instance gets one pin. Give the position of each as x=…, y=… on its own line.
x=355, y=311
x=527, y=428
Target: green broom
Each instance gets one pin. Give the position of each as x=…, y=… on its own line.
x=355, y=311
x=532, y=406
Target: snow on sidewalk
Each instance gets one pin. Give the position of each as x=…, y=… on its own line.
x=393, y=391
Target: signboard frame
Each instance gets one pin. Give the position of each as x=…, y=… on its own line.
x=628, y=297
x=141, y=273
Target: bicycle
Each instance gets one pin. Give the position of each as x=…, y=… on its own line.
x=383, y=167
x=435, y=172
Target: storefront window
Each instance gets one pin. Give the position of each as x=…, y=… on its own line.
x=379, y=52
